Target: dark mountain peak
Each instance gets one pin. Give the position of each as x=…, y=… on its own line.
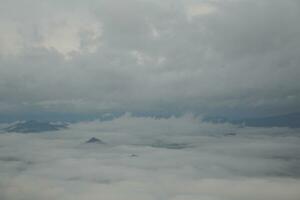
x=95, y=140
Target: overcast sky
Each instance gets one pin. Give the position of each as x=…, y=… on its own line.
x=201, y=56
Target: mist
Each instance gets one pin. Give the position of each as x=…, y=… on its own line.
x=151, y=158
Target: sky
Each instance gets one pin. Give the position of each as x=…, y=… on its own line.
x=179, y=158
x=207, y=57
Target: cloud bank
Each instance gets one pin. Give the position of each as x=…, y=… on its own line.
x=252, y=163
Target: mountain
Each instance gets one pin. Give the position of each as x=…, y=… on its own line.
x=95, y=141
x=166, y=145
x=33, y=126
x=291, y=120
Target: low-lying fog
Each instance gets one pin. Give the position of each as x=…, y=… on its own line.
x=144, y=158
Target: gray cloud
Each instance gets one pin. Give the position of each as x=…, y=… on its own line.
x=140, y=56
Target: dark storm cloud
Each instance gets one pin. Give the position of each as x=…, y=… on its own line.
x=135, y=55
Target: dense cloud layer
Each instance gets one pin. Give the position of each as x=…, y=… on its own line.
x=147, y=158
x=140, y=55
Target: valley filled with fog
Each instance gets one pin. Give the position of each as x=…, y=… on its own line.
x=176, y=158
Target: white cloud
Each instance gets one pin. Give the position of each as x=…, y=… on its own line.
x=11, y=41
x=254, y=164
x=195, y=10
x=71, y=34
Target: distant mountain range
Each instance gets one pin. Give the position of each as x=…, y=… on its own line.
x=33, y=126
x=291, y=120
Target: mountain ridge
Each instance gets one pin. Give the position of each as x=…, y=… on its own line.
x=34, y=126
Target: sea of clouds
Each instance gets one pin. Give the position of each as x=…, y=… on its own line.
x=177, y=158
